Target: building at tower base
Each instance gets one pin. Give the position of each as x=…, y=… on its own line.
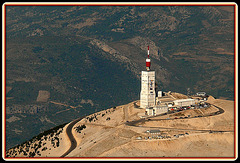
x=148, y=95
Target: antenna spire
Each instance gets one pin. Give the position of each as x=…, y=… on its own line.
x=148, y=51
x=148, y=61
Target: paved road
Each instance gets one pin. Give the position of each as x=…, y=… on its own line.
x=220, y=109
x=131, y=123
x=71, y=137
x=134, y=123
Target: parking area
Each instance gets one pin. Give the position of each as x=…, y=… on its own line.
x=162, y=136
x=182, y=112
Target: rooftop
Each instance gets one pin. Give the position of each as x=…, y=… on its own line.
x=188, y=99
x=153, y=131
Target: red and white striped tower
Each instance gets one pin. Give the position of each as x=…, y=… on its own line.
x=148, y=61
x=147, y=95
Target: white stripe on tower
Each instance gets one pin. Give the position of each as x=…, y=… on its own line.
x=148, y=51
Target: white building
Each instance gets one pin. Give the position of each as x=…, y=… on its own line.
x=147, y=96
x=160, y=94
x=156, y=110
x=201, y=94
x=185, y=102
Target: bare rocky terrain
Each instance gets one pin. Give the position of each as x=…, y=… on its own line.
x=106, y=134
x=113, y=138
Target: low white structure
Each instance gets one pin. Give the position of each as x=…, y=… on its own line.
x=160, y=93
x=149, y=111
x=185, y=102
x=156, y=110
x=201, y=93
x=153, y=132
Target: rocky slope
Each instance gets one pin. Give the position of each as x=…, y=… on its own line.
x=105, y=134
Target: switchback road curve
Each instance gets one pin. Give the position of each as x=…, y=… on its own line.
x=71, y=137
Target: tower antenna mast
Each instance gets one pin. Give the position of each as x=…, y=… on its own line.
x=148, y=61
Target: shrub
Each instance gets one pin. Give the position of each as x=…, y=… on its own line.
x=79, y=128
x=32, y=154
x=45, y=148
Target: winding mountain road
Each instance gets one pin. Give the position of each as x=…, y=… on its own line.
x=71, y=137
x=143, y=120
x=131, y=123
